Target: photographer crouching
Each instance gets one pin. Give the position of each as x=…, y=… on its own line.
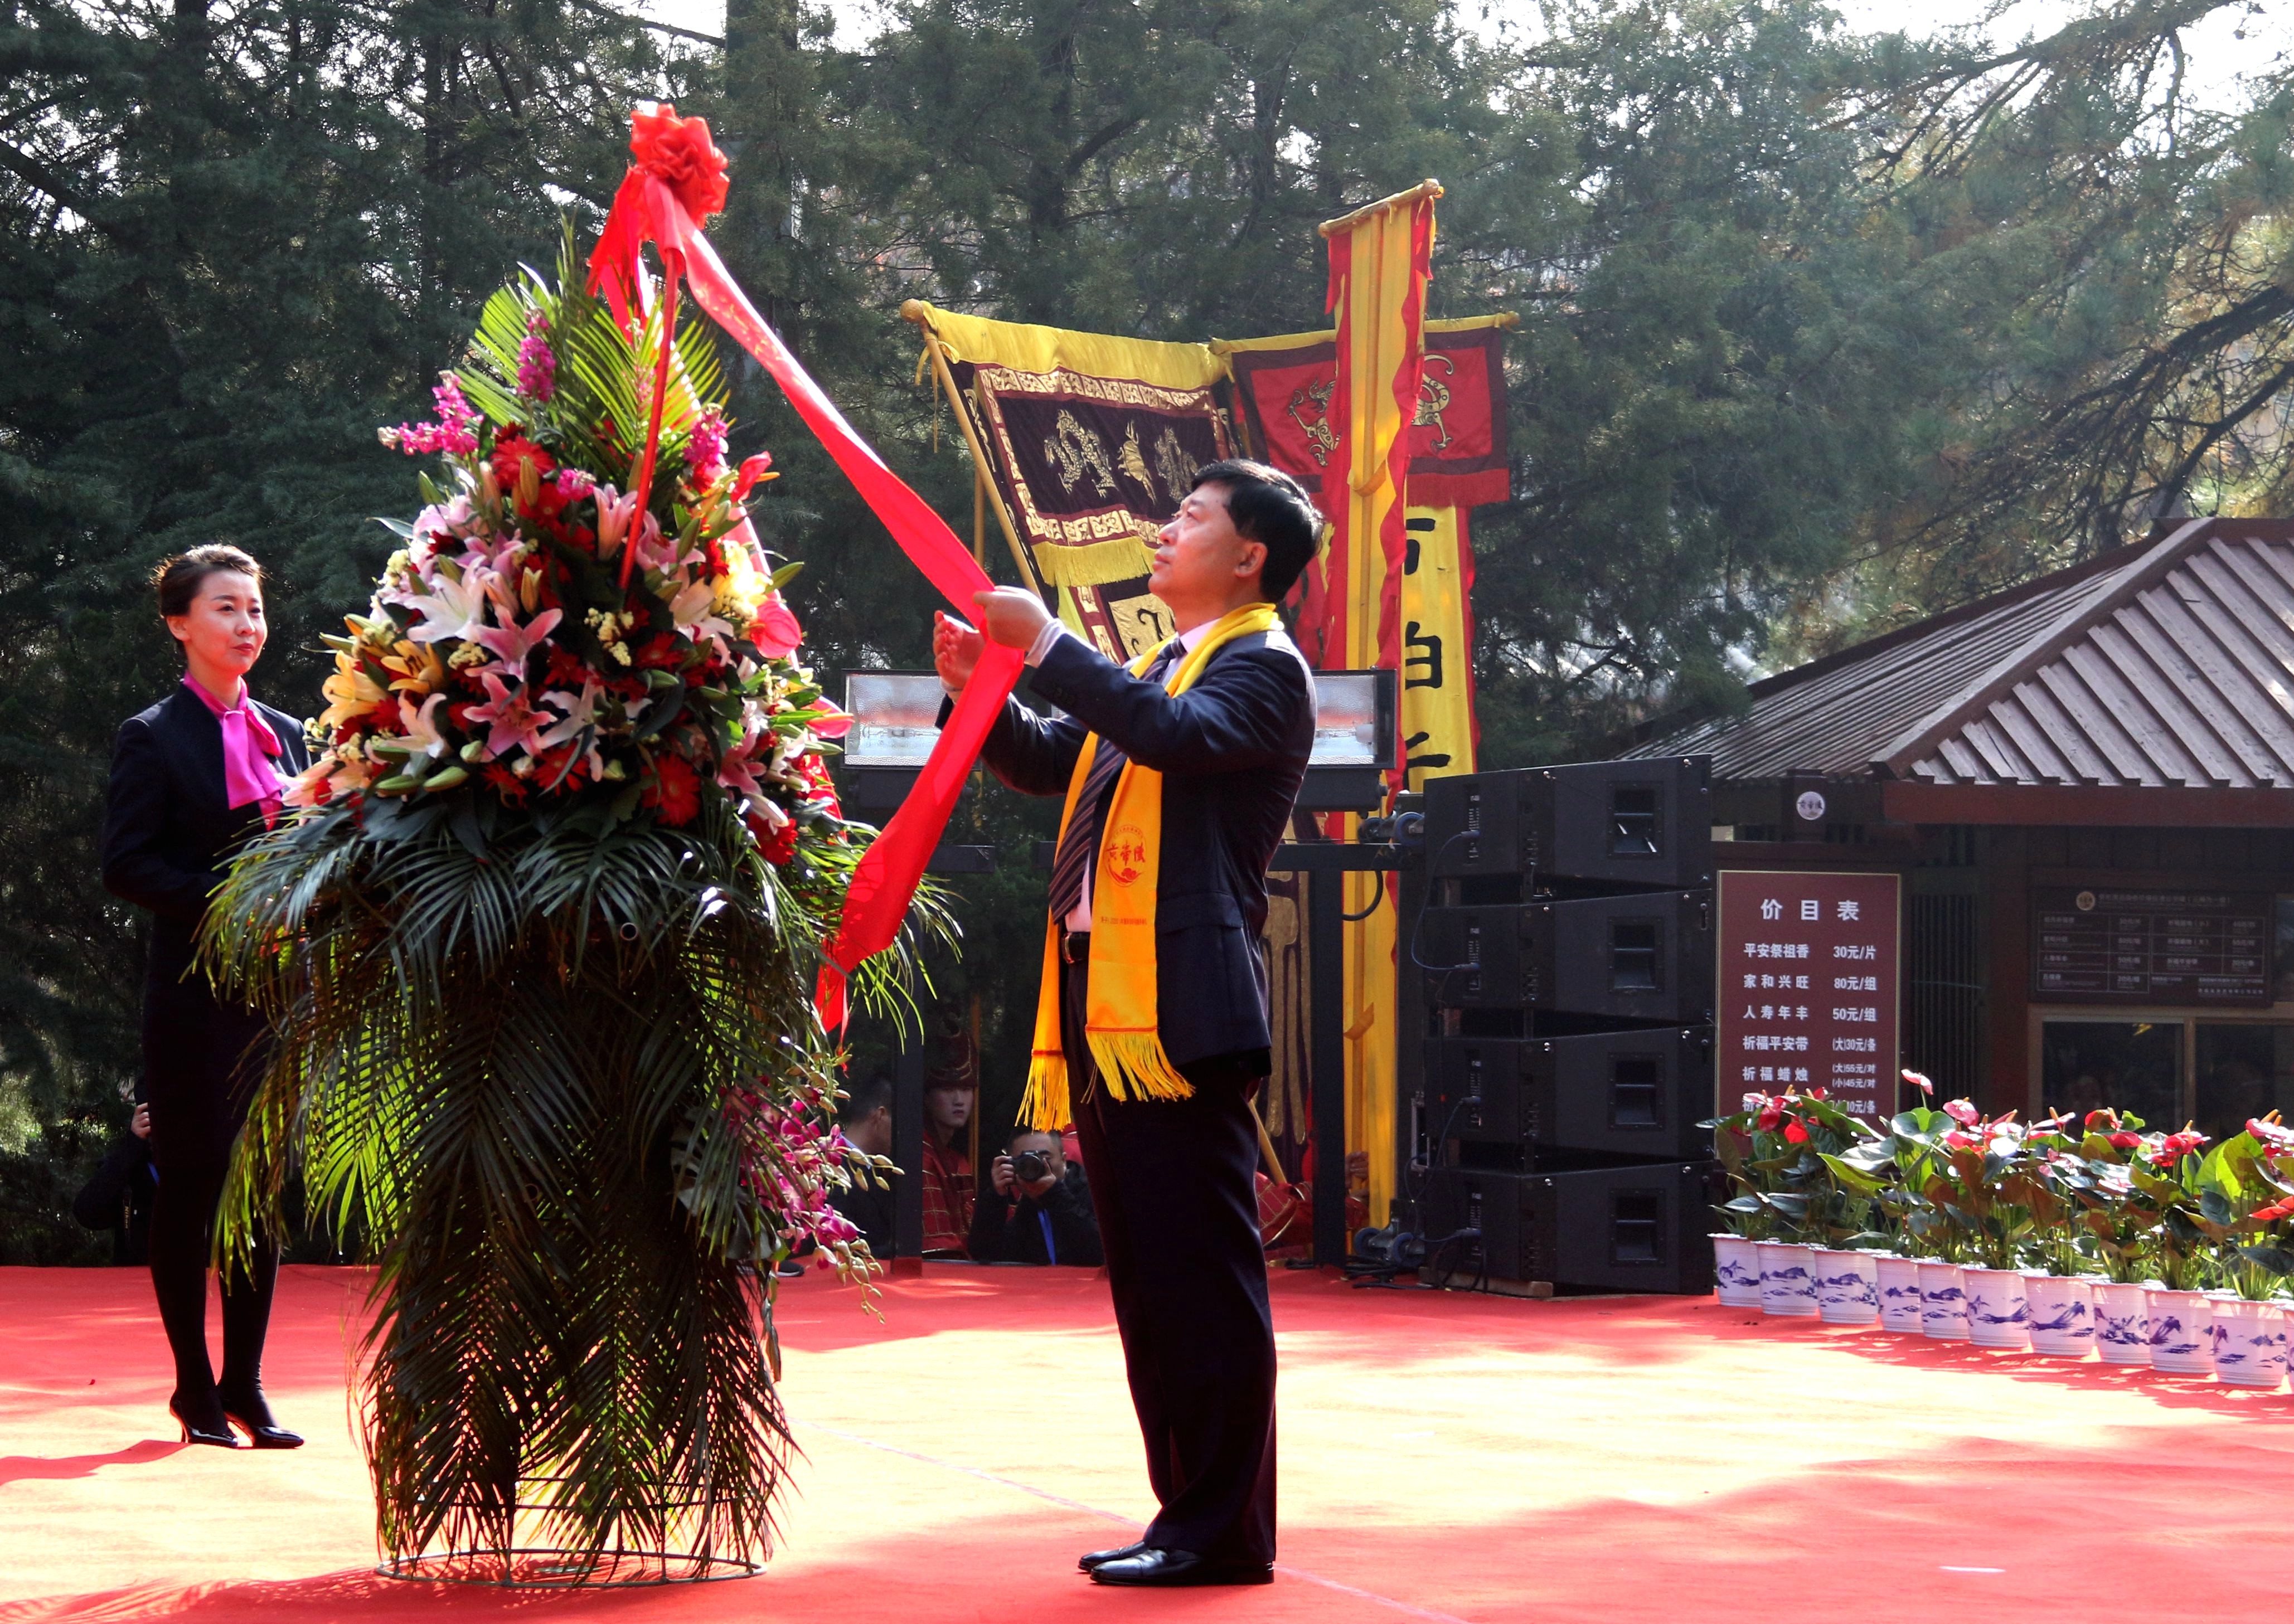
x=1037, y=1207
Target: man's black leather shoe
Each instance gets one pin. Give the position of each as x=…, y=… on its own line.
x=1153, y=1567
x=1100, y=1559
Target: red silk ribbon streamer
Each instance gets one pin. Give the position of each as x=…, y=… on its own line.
x=646, y=210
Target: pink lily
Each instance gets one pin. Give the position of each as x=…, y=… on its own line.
x=614, y=513
x=512, y=643
x=421, y=724
x=510, y=719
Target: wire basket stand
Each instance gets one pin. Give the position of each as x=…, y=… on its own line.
x=529, y=1560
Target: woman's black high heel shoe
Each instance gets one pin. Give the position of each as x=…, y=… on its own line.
x=220, y=1438
x=254, y=1418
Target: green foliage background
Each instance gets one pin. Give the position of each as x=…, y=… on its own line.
x=1821, y=331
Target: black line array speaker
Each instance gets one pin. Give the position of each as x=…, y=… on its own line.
x=1645, y=825
x=1639, y=1228
x=1566, y=956
x=1517, y=1101
x=1638, y=956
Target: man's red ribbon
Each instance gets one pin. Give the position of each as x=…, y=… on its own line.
x=678, y=176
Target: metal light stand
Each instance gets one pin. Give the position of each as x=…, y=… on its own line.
x=896, y=719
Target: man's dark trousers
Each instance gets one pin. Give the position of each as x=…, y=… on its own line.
x=1172, y=1181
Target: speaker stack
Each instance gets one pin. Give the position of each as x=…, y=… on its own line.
x=1566, y=950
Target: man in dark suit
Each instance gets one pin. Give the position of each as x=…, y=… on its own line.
x=1172, y=1178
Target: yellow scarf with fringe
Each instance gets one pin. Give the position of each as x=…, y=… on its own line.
x=1119, y=1018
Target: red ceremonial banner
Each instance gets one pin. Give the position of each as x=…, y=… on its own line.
x=1457, y=435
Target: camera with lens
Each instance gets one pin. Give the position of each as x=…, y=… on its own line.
x=1029, y=1167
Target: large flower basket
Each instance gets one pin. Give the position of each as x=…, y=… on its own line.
x=539, y=944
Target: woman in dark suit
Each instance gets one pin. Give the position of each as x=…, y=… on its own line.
x=192, y=777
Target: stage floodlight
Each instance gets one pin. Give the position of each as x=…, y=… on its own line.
x=896, y=722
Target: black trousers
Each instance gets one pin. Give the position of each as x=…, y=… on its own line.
x=1173, y=1183
x=201, y=1060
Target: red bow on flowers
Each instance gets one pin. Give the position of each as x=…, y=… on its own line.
x=679, y=153
x=676, y=178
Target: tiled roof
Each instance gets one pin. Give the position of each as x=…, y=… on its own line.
x=2167, y=665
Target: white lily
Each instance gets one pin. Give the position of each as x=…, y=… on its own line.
x=452, y=608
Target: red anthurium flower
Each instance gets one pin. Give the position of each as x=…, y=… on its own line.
x=1815, y=1093
x=1919, y=1081
x=2125, y=1141
x=1795, y=1132
x=777, y=632
x=754, y=471
x=1958, y=1140
x=2101, y=1118
x=1771, y=1113
x=1962, y=1112
x=679, y=153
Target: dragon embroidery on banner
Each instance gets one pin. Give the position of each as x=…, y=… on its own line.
x=1132, y=461
x=1322, y=439
x=1173, y=463
x=1433, y=400
x=1073, y=451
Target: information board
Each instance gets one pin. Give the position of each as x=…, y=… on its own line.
x=2137, y=947
x=1809, y=983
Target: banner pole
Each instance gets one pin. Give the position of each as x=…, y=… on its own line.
x=914, y=312
x=980, y=516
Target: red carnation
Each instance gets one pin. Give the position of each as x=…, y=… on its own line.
x=679, y=153
x=675, y=791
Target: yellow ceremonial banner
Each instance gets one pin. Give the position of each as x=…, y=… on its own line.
x=1381, y=258
x=1438, y=735
x=1087, y=443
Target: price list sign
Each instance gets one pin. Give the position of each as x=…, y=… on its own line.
x=2134, y=947
x=1808, y=972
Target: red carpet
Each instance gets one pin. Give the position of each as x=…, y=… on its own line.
x=1444, y=1458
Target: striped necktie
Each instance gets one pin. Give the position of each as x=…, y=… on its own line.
x=1080, y=848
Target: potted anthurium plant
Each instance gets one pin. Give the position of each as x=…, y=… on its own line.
x=2119, y=1220
x=1984, y=1180
x=2245, y=1203
x=2164, y=1171
x=1766, y=1148
x=1840, y=1215
x=1891, y=1169
x=1935, y=1230
x=2060, y=1292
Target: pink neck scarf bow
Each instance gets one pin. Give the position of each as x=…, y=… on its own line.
x=248, y=748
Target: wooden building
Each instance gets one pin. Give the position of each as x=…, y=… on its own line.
x=2086, y=784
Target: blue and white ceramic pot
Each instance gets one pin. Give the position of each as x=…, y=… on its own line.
x=1847, y=1286
x=1735, y=1272
x=2182, y=1331
x=1787, y=1280
x=2063, y=1314
x=2122, y=1323
x=1900, y=1294
x=1943, y=1301
x=1997, y=1314
x=2249, y=1341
